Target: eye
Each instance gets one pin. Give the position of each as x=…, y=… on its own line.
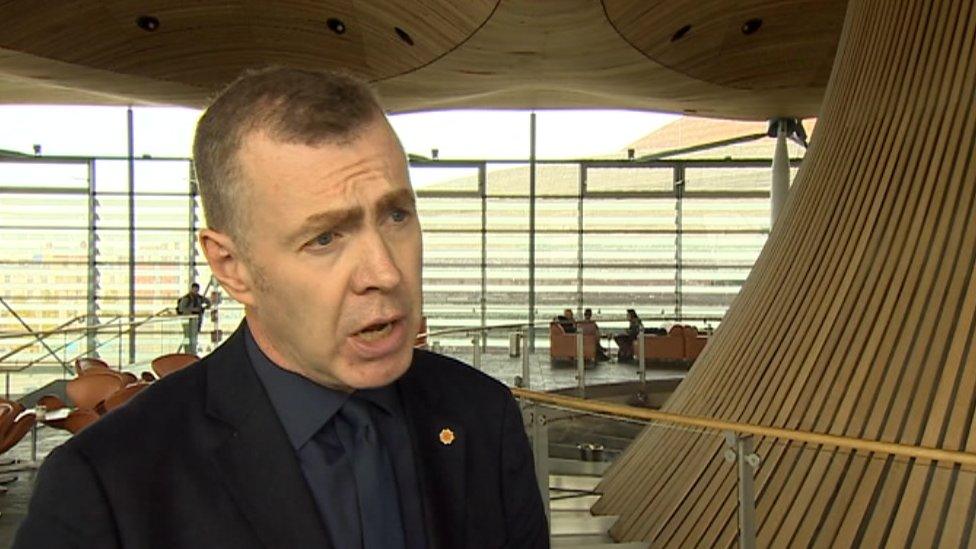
x=323, y=239
x=399, y=215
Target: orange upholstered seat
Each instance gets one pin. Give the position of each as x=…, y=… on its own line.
x=87, y=364
x=681, y=346
x=167, y=364
x=89, y=390
x=562, y=346
x=79, y=419
x=50, y=402
x=15, y=422
x=123, y=395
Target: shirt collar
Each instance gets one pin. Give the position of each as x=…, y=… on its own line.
x=303, y=406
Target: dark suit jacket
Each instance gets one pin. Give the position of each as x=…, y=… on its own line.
x=201, y=460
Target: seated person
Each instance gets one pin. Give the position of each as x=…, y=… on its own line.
x=625, y=341
x=589, y=327
x=656, y=331
x=567, y=322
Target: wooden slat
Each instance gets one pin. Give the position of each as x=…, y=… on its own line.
x=858, y=319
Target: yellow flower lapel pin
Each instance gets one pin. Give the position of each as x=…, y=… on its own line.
x=447, y=436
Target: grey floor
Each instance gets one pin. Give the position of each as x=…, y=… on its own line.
x=547, y=377
x=543, y=377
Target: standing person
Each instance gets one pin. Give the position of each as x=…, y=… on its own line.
x=192, y=304
x=317, y=424
x=625, y=341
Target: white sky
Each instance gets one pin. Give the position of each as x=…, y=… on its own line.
x=505, y=134
x=472, y=134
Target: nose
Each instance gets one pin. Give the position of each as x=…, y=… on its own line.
x=376, y=268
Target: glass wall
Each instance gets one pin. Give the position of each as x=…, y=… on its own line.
x=673, y=239
x=100, y=234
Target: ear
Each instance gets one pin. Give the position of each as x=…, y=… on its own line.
x=228, y=265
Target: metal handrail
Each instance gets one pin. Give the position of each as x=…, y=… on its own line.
x=644, y=414
x=37, y=337
x=544, y=323
x=117, y=329
x=83, y=329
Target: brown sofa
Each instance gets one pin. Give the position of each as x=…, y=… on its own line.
x=680, y=347
x=562, y=346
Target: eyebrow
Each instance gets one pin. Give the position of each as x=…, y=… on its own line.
x=351, y=216
x=400, y=197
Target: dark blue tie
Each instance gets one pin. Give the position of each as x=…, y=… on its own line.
x=379, y=506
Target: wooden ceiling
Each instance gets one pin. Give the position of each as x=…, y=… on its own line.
x=695, y=56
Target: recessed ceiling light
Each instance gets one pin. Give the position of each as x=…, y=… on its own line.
x=751, y=26
x=680, y=33
x=147, y=23
x=335, y=25
x=403, y=35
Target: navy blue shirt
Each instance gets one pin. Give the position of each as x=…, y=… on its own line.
x=307, y=409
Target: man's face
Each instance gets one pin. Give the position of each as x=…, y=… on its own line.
x=334, y=252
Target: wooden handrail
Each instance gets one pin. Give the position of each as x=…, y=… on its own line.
x=632, y=412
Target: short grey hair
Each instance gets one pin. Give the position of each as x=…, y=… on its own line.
x=293, y=106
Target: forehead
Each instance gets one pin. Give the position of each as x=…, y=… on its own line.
x=372, y=159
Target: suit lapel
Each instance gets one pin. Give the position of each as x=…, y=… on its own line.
x=255, y=460
x=439, y=448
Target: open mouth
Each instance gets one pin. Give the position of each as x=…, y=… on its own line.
x=375, y=331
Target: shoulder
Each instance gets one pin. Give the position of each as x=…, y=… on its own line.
x=157, y=417
x=449, y=376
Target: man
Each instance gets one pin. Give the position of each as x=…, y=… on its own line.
x=567, y=322
x=316, y=424
x=589, y=327
x=192, y=304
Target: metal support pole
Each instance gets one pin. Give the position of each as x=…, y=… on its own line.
x=679, y=197
x=641, y=357
x=194, y=222
x=132, y=238
x=739, y=449
x=476, y=343
x=118, y=339
x=192, y=256
x=91, y=340
x=540, y=454
x=580, y=365
x=7, y=382
x=579, y=239
x=781, y=173
x=526, y=370
x=34, y=442
x=532, y=229
x=482, y=190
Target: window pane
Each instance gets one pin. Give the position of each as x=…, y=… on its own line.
x=605, y=180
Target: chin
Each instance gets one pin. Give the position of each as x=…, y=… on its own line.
x=373, y=374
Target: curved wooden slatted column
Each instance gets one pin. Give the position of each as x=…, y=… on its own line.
x=858, y=319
